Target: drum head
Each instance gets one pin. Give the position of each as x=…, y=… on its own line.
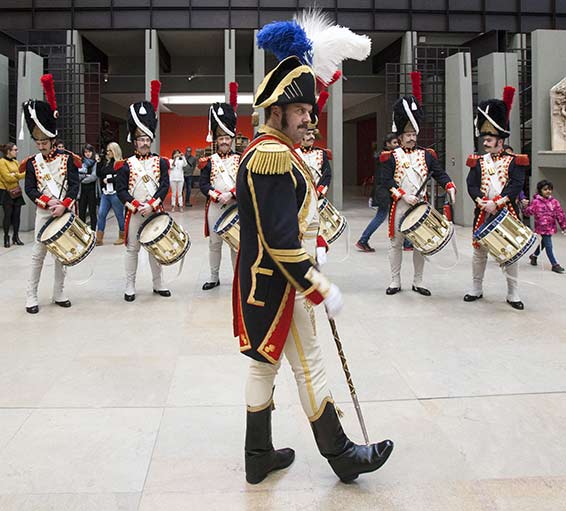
x=227, y=219
x=153, y=227
x=412, y=216
x=53, y=226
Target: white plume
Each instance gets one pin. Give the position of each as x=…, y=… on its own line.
x=332, y=44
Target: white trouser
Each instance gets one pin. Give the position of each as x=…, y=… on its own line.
x=215, y=211
x=177, y=193
x=132, y=252
x=396, y=252
x=303, y=352
x=479, y=263
x=38, y=252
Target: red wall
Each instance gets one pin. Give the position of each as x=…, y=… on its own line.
x=367, y=133
x=179, y=132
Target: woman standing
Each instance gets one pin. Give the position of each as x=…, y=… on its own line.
x=109, y=199
x=11, y=193
x=87, y=194
x=177, y=178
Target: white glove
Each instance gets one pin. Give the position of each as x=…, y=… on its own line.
x=224, y=197
x=333, y=303
x=452, y=195
x=321, y=258
x=410, y=199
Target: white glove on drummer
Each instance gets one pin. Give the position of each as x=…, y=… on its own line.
x=224, y=198
x=451, y=195
x=410, y=199
x=333, y=303
x=321, y=257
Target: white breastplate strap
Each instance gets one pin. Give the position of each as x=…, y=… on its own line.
x=145, y=180
x=411, y=173
x=495, y=185
x=226, y=174
x=55, y=188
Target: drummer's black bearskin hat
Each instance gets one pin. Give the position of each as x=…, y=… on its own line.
x=41, y=116
x=493, y=115
x=407, y=110
x=142, y=116
x=222, y=117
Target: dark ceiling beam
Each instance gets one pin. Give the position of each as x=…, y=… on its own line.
x=164, y=58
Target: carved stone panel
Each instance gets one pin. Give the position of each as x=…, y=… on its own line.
x=558, y=115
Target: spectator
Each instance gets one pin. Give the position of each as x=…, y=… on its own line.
x=547, y=212
x=59, y=145
x=176, y=179
x=87, y=193
x=109, y=198
x=11, y=193
x=188, y=171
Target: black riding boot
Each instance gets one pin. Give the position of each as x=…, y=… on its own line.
x=16, y=239
x=347, y=459
x=261, y=457
x=6, y=240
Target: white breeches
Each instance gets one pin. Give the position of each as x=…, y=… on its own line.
x=303, y=352
x=396, y=252
x=37, y=257
x=177, y=193
x=479, y=263
x=132, y=251
x=215, y=241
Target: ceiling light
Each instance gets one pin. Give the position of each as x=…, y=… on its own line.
x=203, y=99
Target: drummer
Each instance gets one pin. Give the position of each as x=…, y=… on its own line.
x=494, y=182
x=52, y=182
x=218, y=181
x=404, y=171
x=142, y=183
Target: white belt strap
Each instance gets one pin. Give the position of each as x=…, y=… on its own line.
x=55, y=189
x=144, y=177
x=225, y=174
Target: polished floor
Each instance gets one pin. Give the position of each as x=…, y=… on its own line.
x=115, y=406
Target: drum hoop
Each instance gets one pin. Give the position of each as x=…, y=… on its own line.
x=484, y=230
x=522, y=252
x=420, y=221
x=230, y=224
x=339, y=232
x=59, y=233
x=162, y=235
x=90, y=248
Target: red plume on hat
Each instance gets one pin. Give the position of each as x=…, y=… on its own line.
x=155, y=88
x=417, y=86
x=322, y=99
x=508, y=95
x=233, y=87
x=49, y=88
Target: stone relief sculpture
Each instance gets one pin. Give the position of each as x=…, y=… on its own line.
x=558, y=115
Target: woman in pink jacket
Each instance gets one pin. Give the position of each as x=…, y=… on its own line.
x=547, y=212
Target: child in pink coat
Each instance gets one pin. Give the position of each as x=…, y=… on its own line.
x=547, y=212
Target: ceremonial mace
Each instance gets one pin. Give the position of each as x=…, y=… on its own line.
x=348, y=378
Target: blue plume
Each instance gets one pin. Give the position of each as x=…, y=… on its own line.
x=285, y=38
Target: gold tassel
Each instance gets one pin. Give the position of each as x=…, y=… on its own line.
x=270, y=158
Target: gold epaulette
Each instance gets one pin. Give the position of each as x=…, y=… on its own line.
x=472, y=160
x=270, y=157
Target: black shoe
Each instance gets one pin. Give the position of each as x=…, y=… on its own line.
x=392, y=290
x=421, y=290
x=210, y=285
x=516, y=305
x=556, y=268
x=347, y=459
x=162, y=292
x=6, y=241
x=129, y=298
x=533, y=260
x=472, y=298
x=260, y=456
x=65, y=304
x=16, y=240
x=32, y=310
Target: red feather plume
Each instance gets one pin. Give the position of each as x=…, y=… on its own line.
x=322, y=99
x=335, y=77
x=233, y=87
x=508, y=95
x=155, y=88
x=417, y=87
x=49, y=88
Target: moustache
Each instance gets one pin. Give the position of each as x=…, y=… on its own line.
x=303, y=126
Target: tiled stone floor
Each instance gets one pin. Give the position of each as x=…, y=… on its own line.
x=112, y=406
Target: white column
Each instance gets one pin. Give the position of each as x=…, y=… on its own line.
x=30, y=69
x=335, y=140
x=408, y=43
x=229, y=61
x=79, y=138
x=259, y=72
x=459, y=131
x=152, y=73
x=495, y=71
x=4, y=98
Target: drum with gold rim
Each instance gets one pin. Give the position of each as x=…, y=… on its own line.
x=426, y=228
x=228, y=227
x=68, y=238
x=505, y=238
x=164, y=238
x=332, y=222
